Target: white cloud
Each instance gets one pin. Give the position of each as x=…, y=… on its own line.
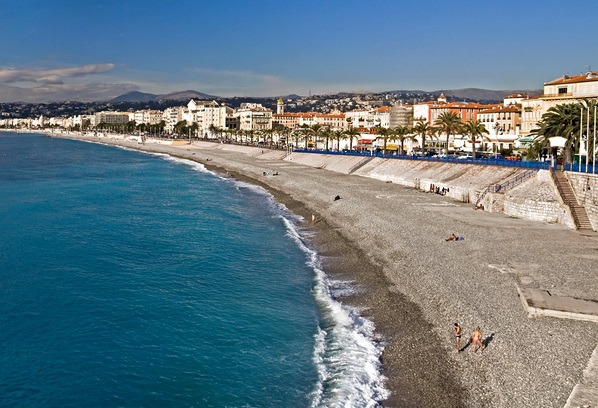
x=52, y=76
x=59, y=84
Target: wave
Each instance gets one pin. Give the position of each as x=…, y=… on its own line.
x=346, y=352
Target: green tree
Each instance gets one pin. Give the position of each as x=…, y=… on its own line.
x=423, y=128
x=215, y=130
x=474, y=129
x=314, y=131
x=325, y=133
x=384, y=134
x=448, y=123
x=85, y=124
x=401, y=133
x=351, y=133
x=563, y=120
x=337, y=135
x=180, y=128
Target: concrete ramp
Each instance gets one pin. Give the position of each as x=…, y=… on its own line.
x=585, y=394
x=538, y=302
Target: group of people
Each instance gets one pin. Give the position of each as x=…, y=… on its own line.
x=438, y=190
x=475, y=339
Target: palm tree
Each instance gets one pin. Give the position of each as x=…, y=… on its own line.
x=351, y=133
x=326, y=133
x=384, y=133
x=214, y=130
x=450, y=123
x=422, y=128
x=315, y=130
x=337, y=135
x=561, y=120
x=474, y=129
x=401, y=133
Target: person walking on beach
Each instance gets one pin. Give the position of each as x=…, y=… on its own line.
x=457, y=329
x=476, y=339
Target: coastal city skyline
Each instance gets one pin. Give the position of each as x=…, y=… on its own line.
x=99, y=50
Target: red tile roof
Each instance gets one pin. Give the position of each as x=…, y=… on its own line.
x=568, y=79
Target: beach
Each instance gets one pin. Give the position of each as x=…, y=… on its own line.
x=389, y=241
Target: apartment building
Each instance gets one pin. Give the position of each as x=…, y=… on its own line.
x=111, y=118
x=253, y=116
x=430, y=111
x=172, y=116
x=148, y=117
x=503, y=125
x=369, y=119
x=334, y=120
x=565, y=89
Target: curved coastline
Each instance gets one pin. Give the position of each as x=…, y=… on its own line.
x=389, y=240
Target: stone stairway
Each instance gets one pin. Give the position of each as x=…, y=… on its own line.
x=580, y=216
x=360, y=165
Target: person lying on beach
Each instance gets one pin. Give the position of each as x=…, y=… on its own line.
x=453, y=237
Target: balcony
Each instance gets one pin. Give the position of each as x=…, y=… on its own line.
x=556, y=96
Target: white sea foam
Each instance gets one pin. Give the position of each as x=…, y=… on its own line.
x=345, y=352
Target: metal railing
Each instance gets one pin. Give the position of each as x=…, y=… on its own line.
x=577, y=168
x=513, y=181
x=509, y=183
x=449, y=159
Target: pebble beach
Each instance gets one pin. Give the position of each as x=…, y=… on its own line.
x=389, y=241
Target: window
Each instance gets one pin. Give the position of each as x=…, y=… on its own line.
x=562, y=90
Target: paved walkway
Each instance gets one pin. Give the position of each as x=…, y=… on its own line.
x=585, y=394
x=539, y=303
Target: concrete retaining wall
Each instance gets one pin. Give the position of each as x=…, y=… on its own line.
x=465, y=182
x=585, y=187
x=536, y=199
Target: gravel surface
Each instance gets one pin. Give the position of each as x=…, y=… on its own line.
x=390, y=241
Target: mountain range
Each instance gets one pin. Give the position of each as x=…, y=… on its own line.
x=466, y=94
x=136, y=96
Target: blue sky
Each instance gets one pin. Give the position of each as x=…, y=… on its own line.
x=96, y=50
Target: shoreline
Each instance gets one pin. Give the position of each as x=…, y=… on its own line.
x=389, y=240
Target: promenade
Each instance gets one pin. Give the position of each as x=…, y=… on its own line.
x=389, y=240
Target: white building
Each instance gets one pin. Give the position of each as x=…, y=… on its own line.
x=207, y=115
x=110, y=118
x=369, y=119
x=172, y=116
x=253, y=116
x=148, y=117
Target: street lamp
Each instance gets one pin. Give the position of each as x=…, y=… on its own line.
x=496, y=130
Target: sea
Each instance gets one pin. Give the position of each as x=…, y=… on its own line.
x=141, y=280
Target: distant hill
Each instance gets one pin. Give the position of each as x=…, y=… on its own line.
x=185, y=96
x=485, y=95
x=173, y=96
x=134, y=97
x=466, y=94
x=470, y=94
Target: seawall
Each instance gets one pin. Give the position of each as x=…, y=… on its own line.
x=535, y=199
x=585, y=186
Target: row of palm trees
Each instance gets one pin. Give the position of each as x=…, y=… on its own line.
x=448, y=123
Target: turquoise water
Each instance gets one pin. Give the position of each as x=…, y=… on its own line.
x=129, y=279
